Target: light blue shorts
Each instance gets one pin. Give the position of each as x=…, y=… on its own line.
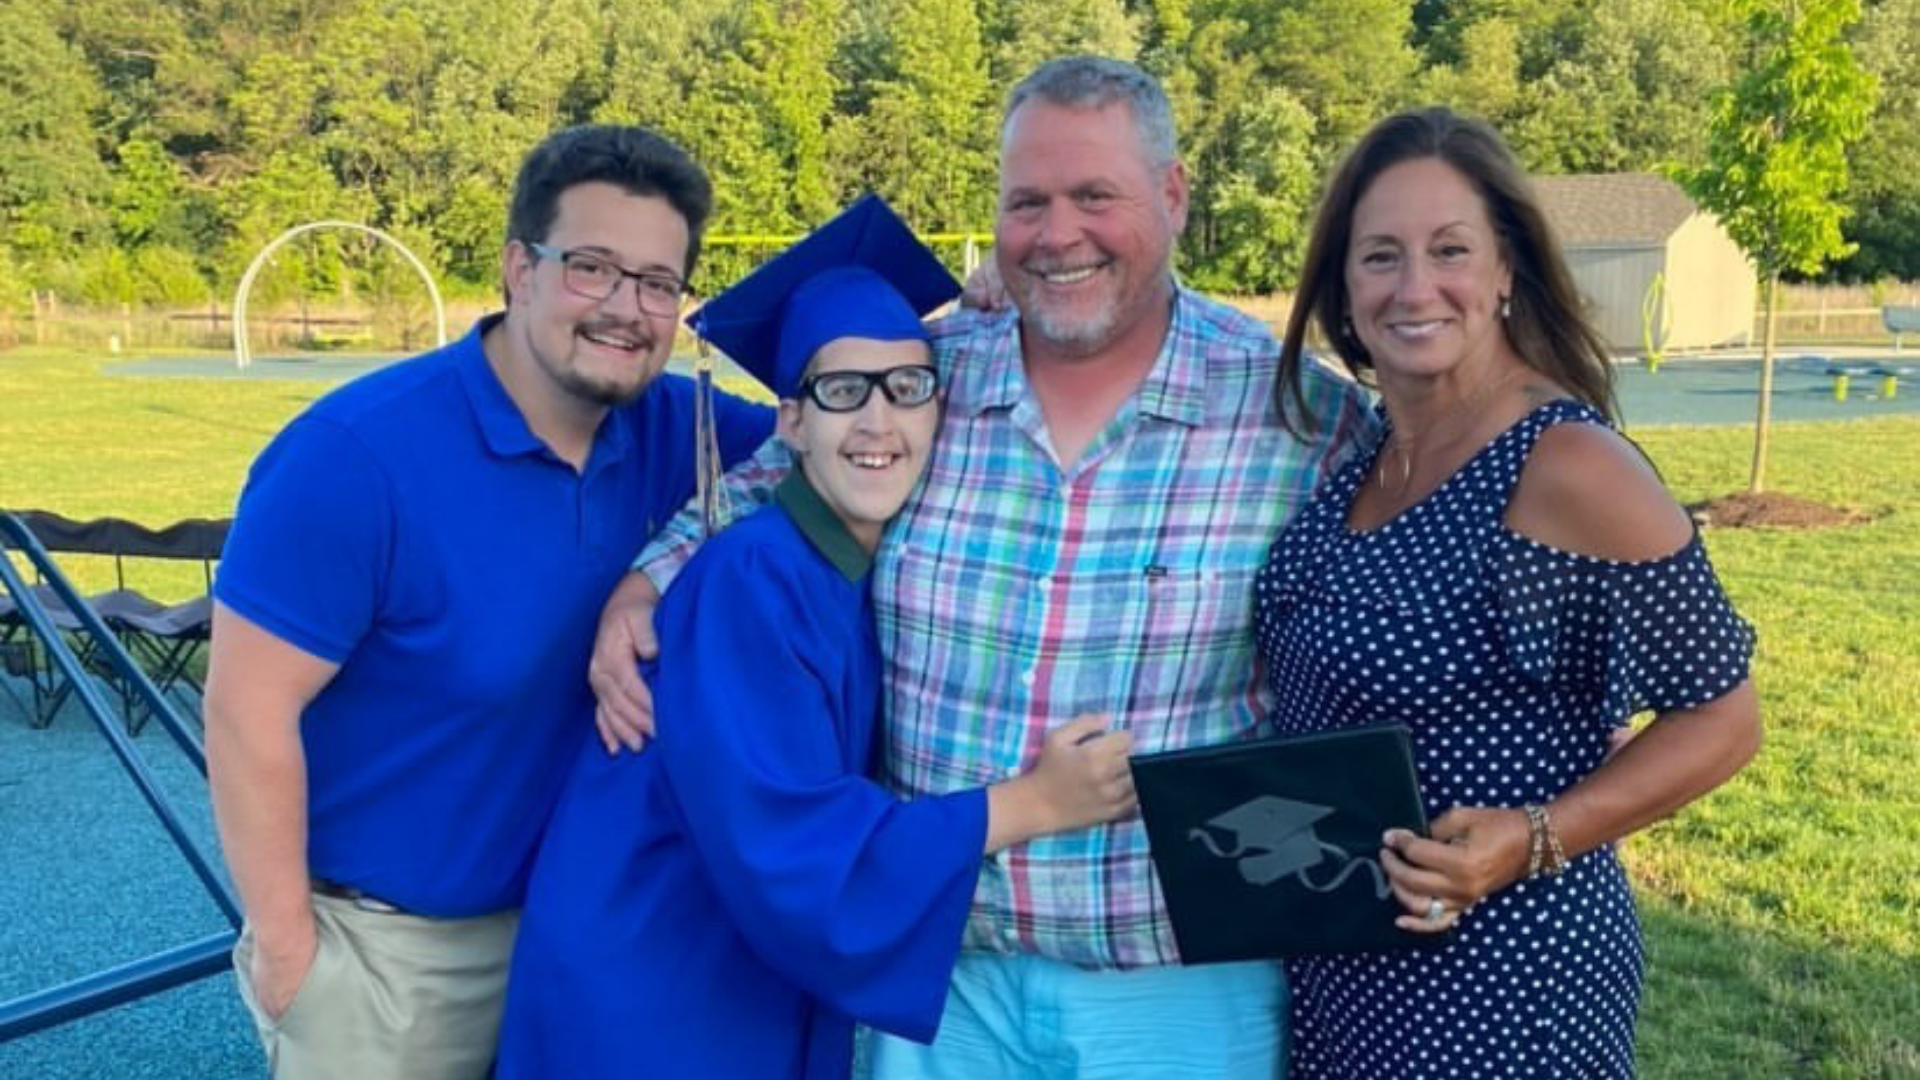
x=1030, y=1018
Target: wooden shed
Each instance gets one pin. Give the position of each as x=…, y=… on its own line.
x=1622, y=230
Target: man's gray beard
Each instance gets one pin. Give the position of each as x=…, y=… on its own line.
x=1083, y=335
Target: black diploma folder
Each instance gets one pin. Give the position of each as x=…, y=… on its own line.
x=1271, y=848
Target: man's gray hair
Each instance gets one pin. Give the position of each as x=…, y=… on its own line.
x=1091, y=82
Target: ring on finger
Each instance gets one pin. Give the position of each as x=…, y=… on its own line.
x=1436, y=911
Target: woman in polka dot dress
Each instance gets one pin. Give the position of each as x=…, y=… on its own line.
x=1506, y=576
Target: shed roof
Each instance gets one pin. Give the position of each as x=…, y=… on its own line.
x=1613, y=208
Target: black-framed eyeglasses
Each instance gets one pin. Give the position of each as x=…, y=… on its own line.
x=908, y=386
x=596, y=277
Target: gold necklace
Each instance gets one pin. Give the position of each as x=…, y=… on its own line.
x=1401, y=442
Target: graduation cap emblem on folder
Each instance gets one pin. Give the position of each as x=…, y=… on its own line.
x=1270, y=848
x=1271, y=837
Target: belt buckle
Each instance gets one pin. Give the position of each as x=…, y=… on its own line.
x=372, y=903
x=361, y=900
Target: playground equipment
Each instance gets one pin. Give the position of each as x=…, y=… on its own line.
x=1900, y=321
x=1656, y=320
x=241, y=357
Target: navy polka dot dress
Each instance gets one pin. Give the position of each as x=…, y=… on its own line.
x=1511, y=662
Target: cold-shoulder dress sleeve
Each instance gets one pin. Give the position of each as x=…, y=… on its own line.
x=1658, y=634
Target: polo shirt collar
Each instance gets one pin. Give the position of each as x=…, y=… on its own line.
x=822, y=527
x=990, y=375
x=501, y=423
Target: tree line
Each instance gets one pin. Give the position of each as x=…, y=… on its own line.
x=148, y=148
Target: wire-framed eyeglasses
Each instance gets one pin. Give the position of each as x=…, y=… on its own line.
x=908, y=386
x=594, y=276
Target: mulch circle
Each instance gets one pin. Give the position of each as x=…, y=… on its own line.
x=1769, y=510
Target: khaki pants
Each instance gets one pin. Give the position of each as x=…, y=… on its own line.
x=389, y=996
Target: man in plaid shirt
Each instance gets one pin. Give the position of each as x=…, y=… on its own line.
x=1111, y=471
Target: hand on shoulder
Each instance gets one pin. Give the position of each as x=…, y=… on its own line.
x=1587, y=490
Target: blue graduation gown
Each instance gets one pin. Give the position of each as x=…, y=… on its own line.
x=729, y=902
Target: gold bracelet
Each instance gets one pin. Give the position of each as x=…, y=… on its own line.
x=1536, y=843
x=1545, y=856
x=1556, y=862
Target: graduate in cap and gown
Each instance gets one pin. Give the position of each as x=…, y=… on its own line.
x=732, y=901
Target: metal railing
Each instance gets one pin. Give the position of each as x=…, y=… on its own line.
x=173, y=967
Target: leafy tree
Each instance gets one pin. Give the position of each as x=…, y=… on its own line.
x=1169, y=26
x=53, y=181
x=1348, y=61
x=1884, y=196
x=168, y=275
x=1251, y=234
x=105, y=275
x=760, y=123
x=1034, y=33
x=278, y=105
x=16, y=297
x=657, y=54
x=294, y=188
x=146, y=194
x=926, y=141
x=1777, y=154
x=1617, y=86
x=789, y=44
x=199, y=126
x=1483, y=78
x=1585, y=85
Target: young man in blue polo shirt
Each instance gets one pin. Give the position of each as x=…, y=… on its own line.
x=405, y=609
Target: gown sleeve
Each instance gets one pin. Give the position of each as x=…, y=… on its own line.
x=1657, y=635
x=851, y=894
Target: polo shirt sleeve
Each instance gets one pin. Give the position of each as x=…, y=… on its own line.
x=852, y=895
x=306, y=558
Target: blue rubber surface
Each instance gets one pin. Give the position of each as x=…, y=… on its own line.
x=1720, y=391
x=1685, y=391
x=90, y=880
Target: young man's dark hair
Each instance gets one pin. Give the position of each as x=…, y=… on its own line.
x=634, y=159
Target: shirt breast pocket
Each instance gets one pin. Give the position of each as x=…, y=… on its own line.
x=1174, y=648
x=1196, y=603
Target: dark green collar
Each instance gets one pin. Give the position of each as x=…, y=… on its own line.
x=822, y=527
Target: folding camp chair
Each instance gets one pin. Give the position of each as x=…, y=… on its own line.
x=165, y=638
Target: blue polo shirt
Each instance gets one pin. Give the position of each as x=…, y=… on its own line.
x=411, y=528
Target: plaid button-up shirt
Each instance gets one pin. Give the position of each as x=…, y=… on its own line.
x=1014, y=595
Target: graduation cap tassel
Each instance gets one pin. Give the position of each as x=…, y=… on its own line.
x=708, y=486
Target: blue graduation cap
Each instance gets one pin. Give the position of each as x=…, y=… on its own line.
x=863, y=274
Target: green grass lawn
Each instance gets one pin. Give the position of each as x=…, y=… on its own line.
x=1782, y=914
